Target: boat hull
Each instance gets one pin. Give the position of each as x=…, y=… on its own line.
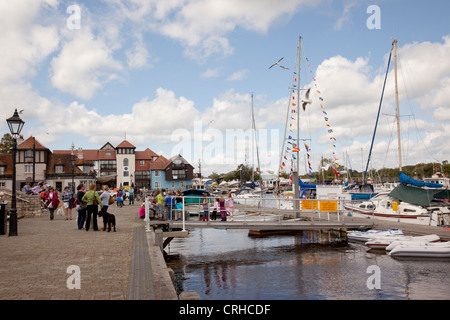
x=422, y=251
x=365, y=236
x=389, y=242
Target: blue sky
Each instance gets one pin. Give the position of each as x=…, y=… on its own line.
x=159, y=70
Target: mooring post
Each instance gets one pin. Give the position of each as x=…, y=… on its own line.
x=159, y=241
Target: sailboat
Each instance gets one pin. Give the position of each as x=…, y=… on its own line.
x=290, y=150
x=251, y=193
x=412, y=201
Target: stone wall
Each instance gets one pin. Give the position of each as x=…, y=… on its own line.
x=28, y=206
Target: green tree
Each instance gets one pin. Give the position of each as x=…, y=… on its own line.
x=6, y=143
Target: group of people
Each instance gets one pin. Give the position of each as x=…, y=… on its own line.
x=121, y=196
x=170, y=207
x=51, y=201
x=164, y=206
x=219, y=206
x=86, y=203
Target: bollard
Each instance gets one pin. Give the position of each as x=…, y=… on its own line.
x=159, y=239
x=3, y=222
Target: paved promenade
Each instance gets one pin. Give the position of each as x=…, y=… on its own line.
x=34, y=265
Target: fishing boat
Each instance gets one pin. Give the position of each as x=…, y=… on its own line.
x=373, y=234
x=422, y=250
x=383, y=243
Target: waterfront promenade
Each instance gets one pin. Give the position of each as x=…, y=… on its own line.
x=112, y=265
x=122, y=265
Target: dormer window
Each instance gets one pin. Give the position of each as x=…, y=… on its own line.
x=59, y=169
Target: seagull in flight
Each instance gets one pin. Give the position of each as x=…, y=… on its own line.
x=278, y=64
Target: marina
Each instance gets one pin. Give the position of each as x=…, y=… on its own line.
x=223, y=264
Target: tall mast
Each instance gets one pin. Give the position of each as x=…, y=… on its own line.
x=298, y=100
x=253, y=143
x=397, y=107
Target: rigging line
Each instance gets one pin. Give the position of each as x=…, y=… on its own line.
x=378, y=116
x=389, y=143
x=409, y=103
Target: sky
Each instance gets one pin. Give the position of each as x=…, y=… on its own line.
x=178, y=77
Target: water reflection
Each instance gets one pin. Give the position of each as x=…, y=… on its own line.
x=221, y=264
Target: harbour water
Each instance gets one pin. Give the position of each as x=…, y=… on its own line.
x=222, y=264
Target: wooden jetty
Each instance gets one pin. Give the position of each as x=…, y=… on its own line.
x=273, y=225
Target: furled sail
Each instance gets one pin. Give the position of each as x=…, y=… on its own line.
x=404, y=179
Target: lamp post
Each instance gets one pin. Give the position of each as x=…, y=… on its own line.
x=15, y=124
x=73, y=161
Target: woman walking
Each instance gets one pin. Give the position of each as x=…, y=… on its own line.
x=93, y=200
x=52, y=201
x=67, y=198
x=82, y=206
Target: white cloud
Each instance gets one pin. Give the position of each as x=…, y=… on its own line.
x=84, y=65
x=24, y=44
x=202, y=26
x=138, y=57
x=210, y=73
x=238, y=75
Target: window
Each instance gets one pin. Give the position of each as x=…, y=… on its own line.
x=157, y=184
x=58, y=169
x=173, y=184
x=125, y=162
x=142, y=162
x=157, y=173
x=29, y=154
x=28, y=169
x=126, y=173
x=2, y=170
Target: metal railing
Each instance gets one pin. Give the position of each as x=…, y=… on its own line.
x=274, y=209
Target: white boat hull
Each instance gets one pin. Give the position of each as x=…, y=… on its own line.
x=373, y=234
x=424, y=250
x=384, y=243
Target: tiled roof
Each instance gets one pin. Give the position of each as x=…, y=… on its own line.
x=28, y=144
x=125, y=144
x=159, y=164
x=92, y=155
x=6, y=160
x=61, y=159
x=146, y=154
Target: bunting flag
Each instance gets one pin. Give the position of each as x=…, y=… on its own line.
x=327, y=124
x=295, y=149
x=309, y=162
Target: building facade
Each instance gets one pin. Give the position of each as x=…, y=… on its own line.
x=120, y=166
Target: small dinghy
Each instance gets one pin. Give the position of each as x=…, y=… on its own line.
x=432, y=238
x=422, y=250
x=384, y=242
x=373, y=234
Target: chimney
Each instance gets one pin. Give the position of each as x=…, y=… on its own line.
x=80, y=153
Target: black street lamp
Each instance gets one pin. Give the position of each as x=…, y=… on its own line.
x=73, y=160
x=15, y=124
